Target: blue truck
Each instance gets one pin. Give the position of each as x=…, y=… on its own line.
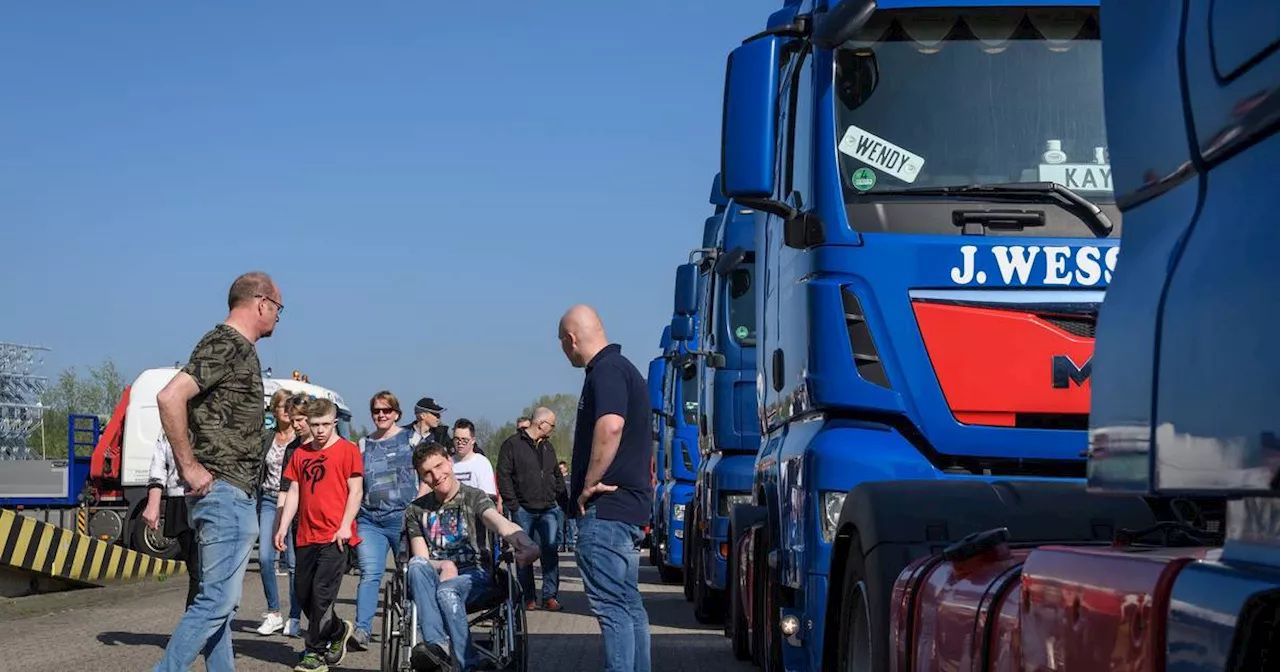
x=729, y=432
x=678, y=467
x=1183, y=408
x=656, y=379
x=936, y=230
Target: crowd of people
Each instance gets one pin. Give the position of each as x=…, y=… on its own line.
x=313, y=499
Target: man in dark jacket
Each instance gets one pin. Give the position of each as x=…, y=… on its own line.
x=530, y=485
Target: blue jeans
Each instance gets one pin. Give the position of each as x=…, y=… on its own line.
x=225, y=523
x=442, y=607
x=377, y=536
x=544, y=528
x=570, y=532
x=608, y=555
x=267, y=555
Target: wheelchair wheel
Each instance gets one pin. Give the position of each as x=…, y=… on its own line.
x=390, y=626
x=520, y=641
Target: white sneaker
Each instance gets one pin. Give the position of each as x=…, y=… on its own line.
x=292, y=627
x=271, y=624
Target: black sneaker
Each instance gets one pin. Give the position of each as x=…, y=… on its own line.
x=433, y=657
x=338, y=647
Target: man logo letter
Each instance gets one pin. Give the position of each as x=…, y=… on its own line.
x=1065, y=372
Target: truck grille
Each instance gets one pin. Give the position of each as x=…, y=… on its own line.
x=1082, y=326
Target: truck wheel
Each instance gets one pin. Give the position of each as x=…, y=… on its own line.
x=900, y=521
x=667, y=573
x=768, y=648
x=708, y=604
x=153, y=543
x=859, y=632
x=741, y=520
x=690, y=559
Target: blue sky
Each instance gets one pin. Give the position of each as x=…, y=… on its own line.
x=431, y=184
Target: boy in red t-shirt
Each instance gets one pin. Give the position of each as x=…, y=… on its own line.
x=325, y=486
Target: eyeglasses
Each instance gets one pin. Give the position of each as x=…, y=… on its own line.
x=462, y=440
x=381, y=411
x=279, y=306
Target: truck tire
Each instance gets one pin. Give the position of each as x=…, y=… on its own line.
x=150, y=542
x=741, y=519
x=689, y=561
x=884, y=526
x=708, y=604
x=667, y=573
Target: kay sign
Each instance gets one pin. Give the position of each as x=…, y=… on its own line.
x=1078, y=176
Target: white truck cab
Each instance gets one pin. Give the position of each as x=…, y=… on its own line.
x=142, y=417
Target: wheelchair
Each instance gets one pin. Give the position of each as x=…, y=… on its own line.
x=498, y=625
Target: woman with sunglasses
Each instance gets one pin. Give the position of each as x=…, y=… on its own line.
x=390, y=485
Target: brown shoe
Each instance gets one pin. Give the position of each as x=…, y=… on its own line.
x=552, y=604
x=530, y=606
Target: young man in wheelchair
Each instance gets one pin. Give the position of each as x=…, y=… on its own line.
x=447, y=568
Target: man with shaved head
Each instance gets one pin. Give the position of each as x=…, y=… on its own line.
x=610, y=493
x=212, y=414
x=530, y=484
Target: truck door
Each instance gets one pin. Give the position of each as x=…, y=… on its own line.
x=1217, y=369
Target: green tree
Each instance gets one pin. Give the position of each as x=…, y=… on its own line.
x=565, y=406
x=70, y=394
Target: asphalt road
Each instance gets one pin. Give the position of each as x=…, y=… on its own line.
x=126, y=628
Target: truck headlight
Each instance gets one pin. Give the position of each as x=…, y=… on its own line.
x=677, y=512
x=832, y=503
x=729, y=500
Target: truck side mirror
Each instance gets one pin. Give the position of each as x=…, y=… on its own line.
x=686, y=294
x=749, y=126
x=682, y=328
x=729, y=261
x=657, y=368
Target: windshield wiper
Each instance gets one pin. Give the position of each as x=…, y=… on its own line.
x=1022, y=192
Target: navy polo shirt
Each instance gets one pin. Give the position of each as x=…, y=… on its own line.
x=614, y=385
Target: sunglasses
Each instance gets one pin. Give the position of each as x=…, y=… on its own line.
x=382, y=411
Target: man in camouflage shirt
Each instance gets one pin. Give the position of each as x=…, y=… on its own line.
x=212, y=411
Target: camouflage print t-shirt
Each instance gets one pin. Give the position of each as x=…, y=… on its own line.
x=452, y=530
x=226, y=416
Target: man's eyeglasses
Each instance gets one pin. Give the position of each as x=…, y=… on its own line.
x=462, y=440
x=279, y=306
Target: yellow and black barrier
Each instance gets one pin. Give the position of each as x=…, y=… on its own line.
x=50, y=550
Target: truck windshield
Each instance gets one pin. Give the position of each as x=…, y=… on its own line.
x=742, y=304
x=946, y=98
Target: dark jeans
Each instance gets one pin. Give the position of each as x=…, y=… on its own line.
x=319, y=577
x=544, y=528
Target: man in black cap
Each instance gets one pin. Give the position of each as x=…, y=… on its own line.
x=427, y=425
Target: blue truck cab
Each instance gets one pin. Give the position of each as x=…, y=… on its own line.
x=729, y=427
x=655, y=380
x=679, y=468
x=1185, y=399
x=935, y=233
